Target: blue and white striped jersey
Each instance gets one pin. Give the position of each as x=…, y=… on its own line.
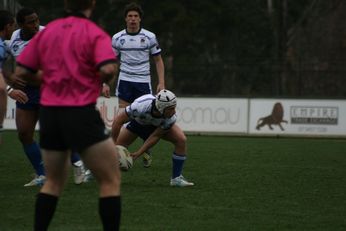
x=141, y=111
x=17, y=44
x=134, y=51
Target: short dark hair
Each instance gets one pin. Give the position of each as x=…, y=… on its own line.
x=6, y=18
x=77, y=5
x=22, y=13
x=133, y=7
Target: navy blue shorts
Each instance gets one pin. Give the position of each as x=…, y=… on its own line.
x=75, y=128
x=33, y=103
x=143, y=131
x=129, y=91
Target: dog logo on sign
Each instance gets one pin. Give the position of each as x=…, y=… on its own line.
x=275, y=118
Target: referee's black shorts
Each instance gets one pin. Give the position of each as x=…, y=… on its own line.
x=75, y=128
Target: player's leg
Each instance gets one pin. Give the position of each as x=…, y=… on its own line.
x=57, y=169
x=57, y=166
x=98, y=153
x=3, y=104
x=26, y=121
x=139, y=90
x=178, y=138
x=56, y=157
x=102, y=159
x=126, y=137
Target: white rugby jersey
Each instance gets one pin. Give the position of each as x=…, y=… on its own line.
x=17, y=44
x=141, y=111
x=134, y=51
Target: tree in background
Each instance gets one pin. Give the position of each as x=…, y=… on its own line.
x=259, y=48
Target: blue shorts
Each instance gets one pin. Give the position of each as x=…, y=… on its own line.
x=33, y=103
x=143, y=131
x=129, y=91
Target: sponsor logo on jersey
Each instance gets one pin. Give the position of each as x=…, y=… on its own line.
x=142, y=41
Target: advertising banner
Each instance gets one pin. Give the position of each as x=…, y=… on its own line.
x=213, y=115
x=297, y=117
x=242, y=116
x=196, y=114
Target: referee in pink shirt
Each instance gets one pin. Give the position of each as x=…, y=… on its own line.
x=71, y=58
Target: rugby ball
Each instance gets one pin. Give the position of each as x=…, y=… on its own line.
x=125, y=160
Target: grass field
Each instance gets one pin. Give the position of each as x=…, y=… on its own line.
x=241, y=184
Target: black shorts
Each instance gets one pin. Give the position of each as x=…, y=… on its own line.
x=75, y=128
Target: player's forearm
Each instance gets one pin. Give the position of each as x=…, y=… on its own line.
x=150, y=142
x=107, y=73
x=115, y=131
x=160, y=72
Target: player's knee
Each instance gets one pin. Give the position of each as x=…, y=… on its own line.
x=111, y=183
x=181, y=141
x=54, y=186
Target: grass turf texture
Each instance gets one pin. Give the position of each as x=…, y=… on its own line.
x=242, y=183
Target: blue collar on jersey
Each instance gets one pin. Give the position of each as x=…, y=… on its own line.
x=135, y=33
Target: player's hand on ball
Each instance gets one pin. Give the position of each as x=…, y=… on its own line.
x=125, y=160
x=135, y=155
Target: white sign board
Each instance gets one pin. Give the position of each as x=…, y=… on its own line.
x=108, y=108
x=243, y=116
x=297, y=117
x=196, y=114
x=10, y=122
x=212, y=115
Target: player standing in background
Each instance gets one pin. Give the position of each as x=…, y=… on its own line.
x=7, y=26
x=134, y=45
x=152, y=118
x=27, y=112
x=75, y=57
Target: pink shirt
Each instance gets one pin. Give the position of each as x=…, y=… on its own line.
x=69, y=51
